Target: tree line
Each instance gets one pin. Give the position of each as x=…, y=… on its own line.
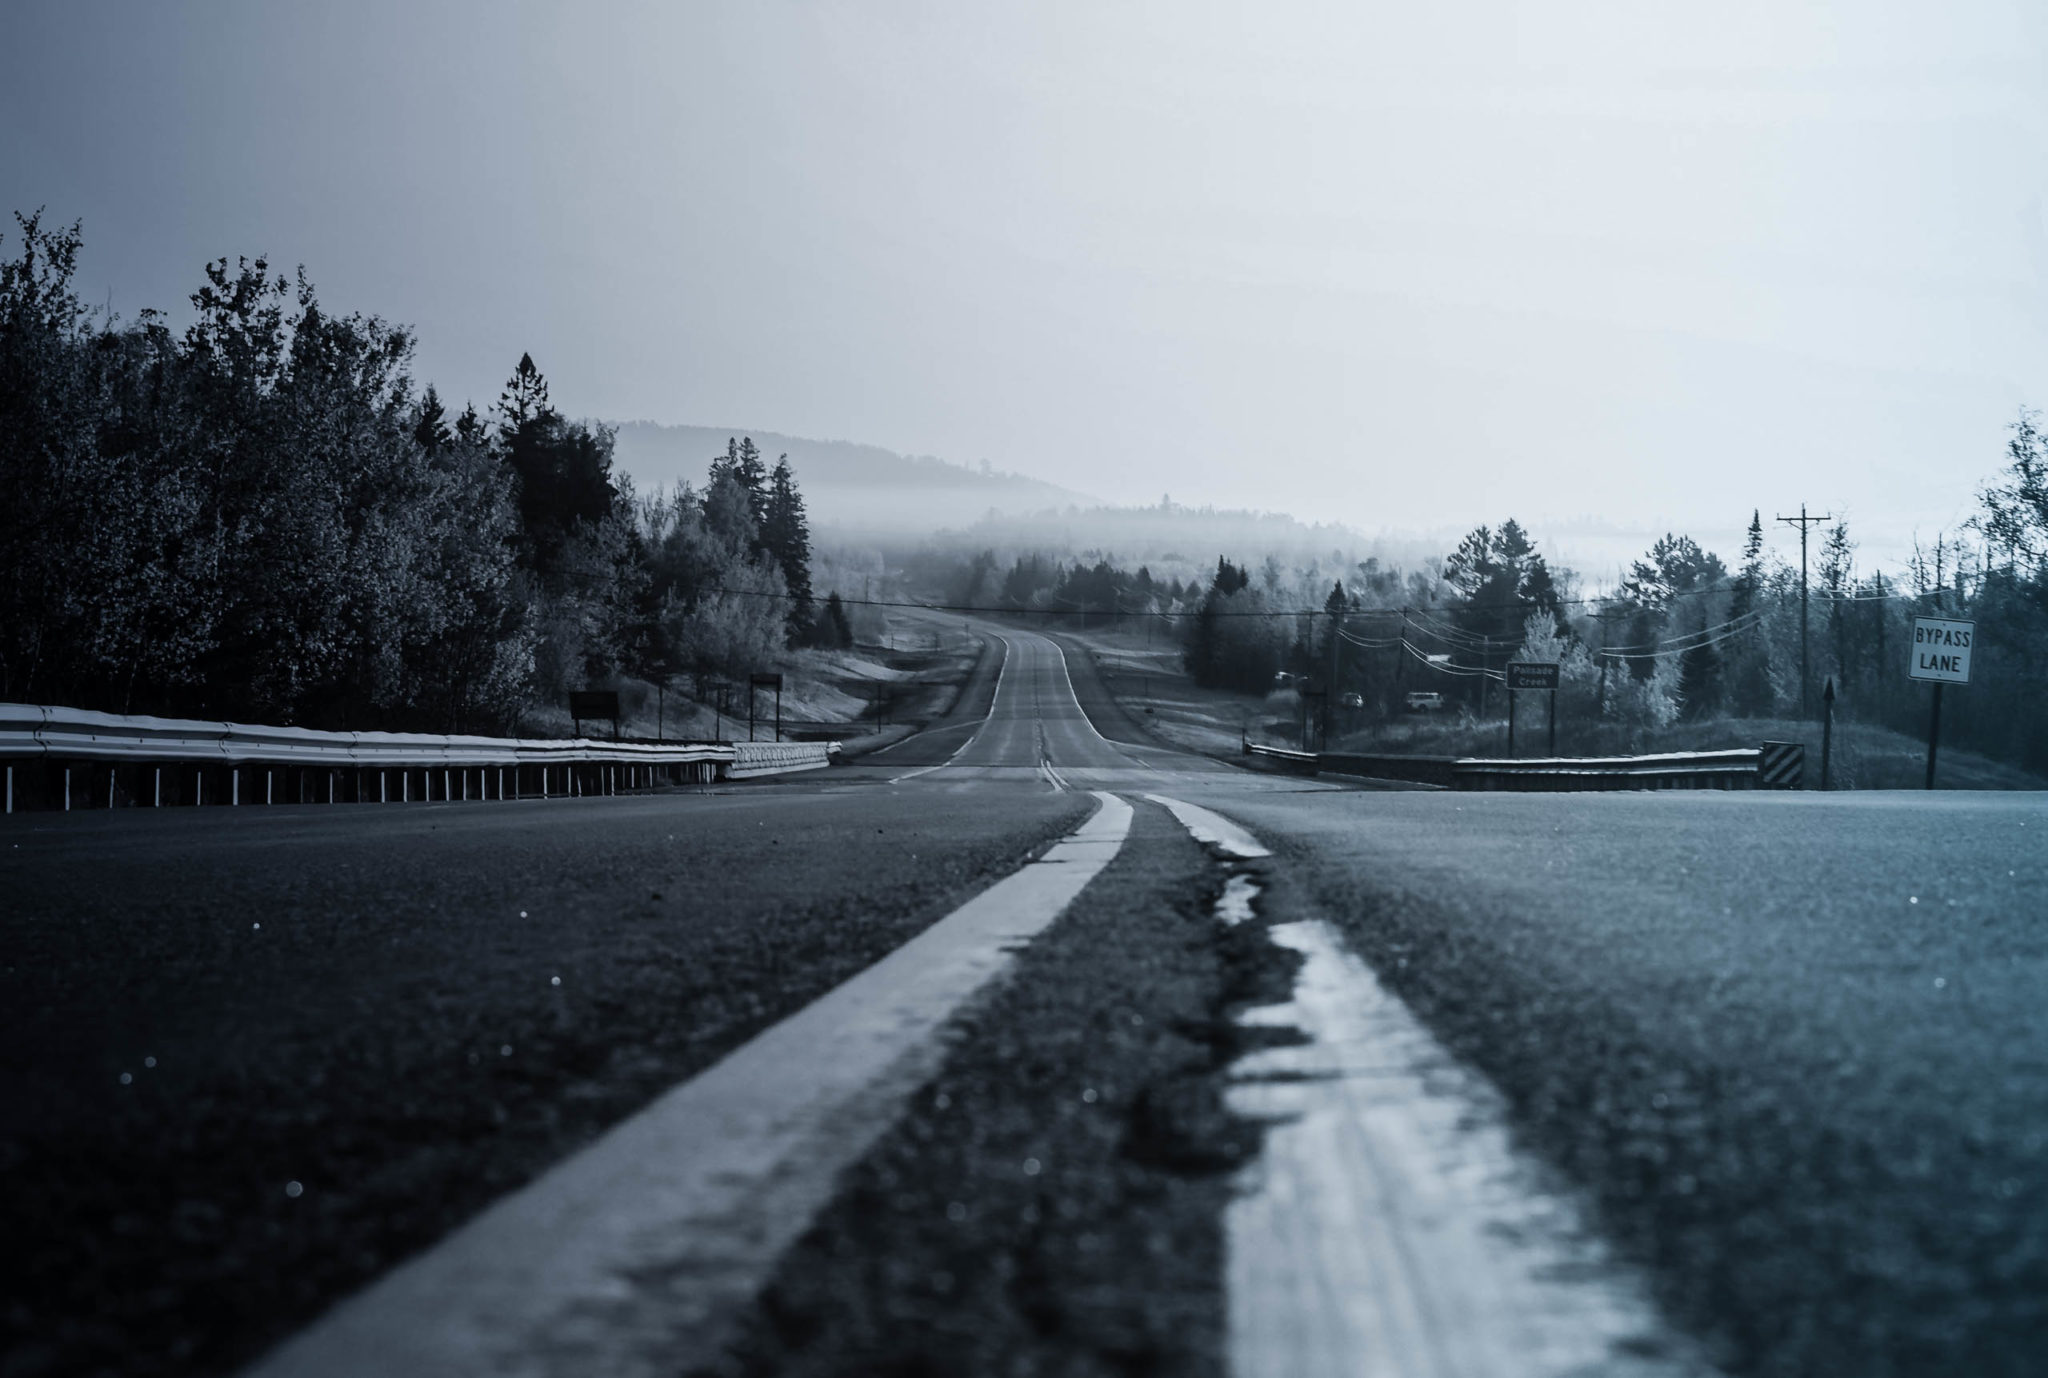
x=1684, y=636
x=263, y=517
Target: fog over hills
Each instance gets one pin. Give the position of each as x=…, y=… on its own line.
x=850, y=489
x=865, y=492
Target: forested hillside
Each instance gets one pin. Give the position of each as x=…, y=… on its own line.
x=855, y=491
x=264, y=517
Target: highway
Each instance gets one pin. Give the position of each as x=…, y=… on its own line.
x=1031, y=1045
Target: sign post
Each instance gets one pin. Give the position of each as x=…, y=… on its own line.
x=1532, y=674
x=1941, y=655
x=594, y=703
x=761, y=681
x=1827, y=730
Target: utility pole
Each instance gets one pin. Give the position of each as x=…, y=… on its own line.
x=1802, y=521
x=1604, y=617
x=1333, y=691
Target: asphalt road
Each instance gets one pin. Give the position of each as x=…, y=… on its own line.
x=1789, y=1049
x=198, y=1008
x=1795, y=1044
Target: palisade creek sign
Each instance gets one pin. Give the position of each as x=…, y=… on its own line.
x=1941, y=650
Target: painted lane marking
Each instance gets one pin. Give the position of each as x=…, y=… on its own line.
x=1390, y=1228
x=981, y=727
x=634, y=1256
x=1213, y=829
x=1117, y=747
x=1052, y=777
x=1234, y=905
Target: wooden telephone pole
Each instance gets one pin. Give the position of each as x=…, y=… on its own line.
x=1802, y=521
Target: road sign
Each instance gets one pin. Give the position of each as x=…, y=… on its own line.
x=1941, y=650
x=1782, y=765
x=765, y=681
x=593, y=703
x=1532, y=674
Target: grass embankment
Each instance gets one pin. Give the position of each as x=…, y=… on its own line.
x=1052, y=1202
x=873, y=694
x=1142, y=669
x=1865, y=756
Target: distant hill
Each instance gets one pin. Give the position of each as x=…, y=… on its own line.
x=856, y=489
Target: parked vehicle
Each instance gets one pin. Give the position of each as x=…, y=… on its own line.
x=1424, y=701
x=1352, y=700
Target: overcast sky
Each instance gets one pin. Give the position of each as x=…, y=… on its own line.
x=1404, y=265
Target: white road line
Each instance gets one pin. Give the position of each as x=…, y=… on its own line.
x=1212, y=829
x=1118, y=747
x=631, y=1258
x=982, y=727
x=1389, y=1229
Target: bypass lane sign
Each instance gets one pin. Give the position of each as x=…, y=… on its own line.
x=1941, y=650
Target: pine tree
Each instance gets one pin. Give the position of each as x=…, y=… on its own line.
x=1750, y=582
x=564, y=468
x=786, y=533
x=1539, y=594
x=835, y=624
x=525, y=398
x=470, y=427
x=1749, y=670
x=741, y=463
x=432, y=429
x=1229, y=578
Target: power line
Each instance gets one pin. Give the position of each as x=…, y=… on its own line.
x=1442, y=631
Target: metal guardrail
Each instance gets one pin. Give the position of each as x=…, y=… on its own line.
x=1307, y=762
x=1414, y=770
x=1733, y=769
x=778, y=758
x=1777, y=765
x=111, y=751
